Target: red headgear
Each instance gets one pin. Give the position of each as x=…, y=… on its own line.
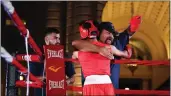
x=88, y=29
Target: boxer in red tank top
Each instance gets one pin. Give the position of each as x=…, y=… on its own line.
x=96, y=68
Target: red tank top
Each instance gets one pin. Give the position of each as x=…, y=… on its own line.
x=94, y=63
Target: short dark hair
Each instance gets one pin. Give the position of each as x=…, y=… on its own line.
x=50, y=30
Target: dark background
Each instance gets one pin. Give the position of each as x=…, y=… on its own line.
x=35, y=14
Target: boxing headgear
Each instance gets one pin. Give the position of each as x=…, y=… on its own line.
x=88, y=29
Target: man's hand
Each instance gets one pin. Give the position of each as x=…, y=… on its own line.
x=70, y=80
x=75, y=55
x=129, y=51
x=41, y=78
x=106, y=52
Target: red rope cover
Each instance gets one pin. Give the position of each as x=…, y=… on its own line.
x=139, y=62
x=132, y=92
x=23, y=57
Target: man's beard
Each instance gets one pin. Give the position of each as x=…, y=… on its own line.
x=54, y=43
x=109, y=40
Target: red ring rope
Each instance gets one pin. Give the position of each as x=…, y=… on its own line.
x=33, y=58
x=140, y=62
x=135, y=92
x=36, y=58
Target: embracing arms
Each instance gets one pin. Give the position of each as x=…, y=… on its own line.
x=126, y=53
x=86, y=46
x=112, y=50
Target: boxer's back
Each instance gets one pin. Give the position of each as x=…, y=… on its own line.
x=94, y=63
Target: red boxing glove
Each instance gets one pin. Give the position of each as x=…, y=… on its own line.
x=134, y=23
x=129, y=51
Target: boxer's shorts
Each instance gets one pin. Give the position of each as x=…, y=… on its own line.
x=98, y=85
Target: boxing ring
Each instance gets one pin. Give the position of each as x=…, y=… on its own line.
x=55, y=72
